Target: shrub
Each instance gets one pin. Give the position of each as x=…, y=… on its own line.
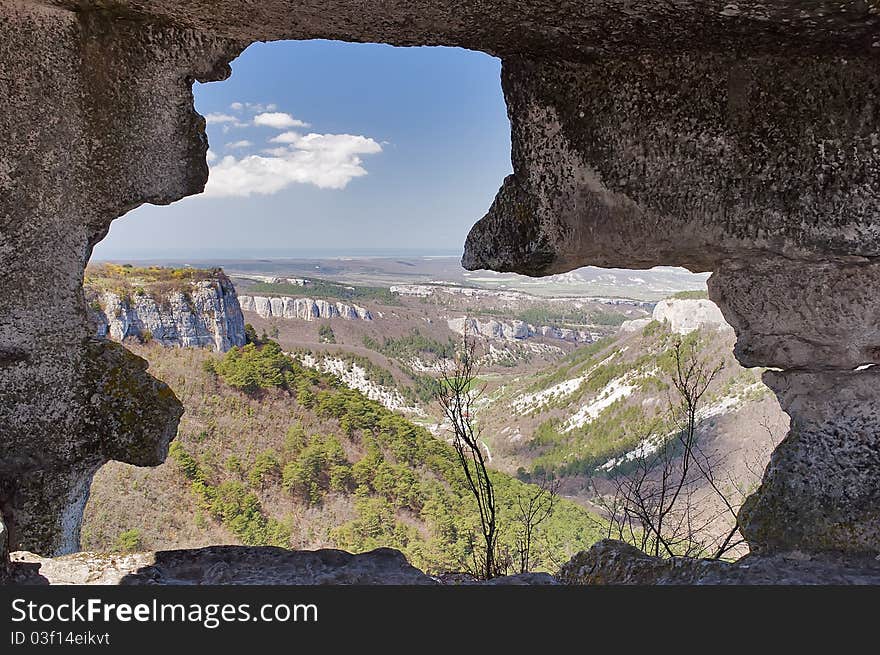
x=325, y=334
x=128, y=541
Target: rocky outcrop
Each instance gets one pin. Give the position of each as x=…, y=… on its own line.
x=516, y=330
x=206, y=314
x=686, y=315
x=305, y=309
x=617, y=563
x=226, y=565
x=683, y=316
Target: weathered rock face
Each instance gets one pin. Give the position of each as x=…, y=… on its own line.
x=735, y=137
x=515, y=330
x=617, y=563
x=305, y=309
x=690, y=159
x=235, y=565
x=686, y=315
x=97, y=118
x=206, y=315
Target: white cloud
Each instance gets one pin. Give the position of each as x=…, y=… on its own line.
x=278, y=120
x=210, y=156
x=328, y=161
x=287, y=137
x=236, y=106
x=244, y=143
x=215, y=118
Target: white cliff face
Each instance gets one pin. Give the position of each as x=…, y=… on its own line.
x=687, y=315
x=516, y=330
x=355, y=377
x=208, y=315
x=304, y=309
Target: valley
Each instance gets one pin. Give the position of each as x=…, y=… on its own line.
x=573, y=388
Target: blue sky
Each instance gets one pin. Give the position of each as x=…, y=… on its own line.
x=340, y=147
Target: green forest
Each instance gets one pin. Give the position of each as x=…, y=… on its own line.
x=404, y=485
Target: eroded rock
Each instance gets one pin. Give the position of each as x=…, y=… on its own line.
x=688, y=160
x=611, y=562
x=206, y=313
x=235, y=565
x=802, y=314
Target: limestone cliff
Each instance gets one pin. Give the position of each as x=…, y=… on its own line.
x=202, y=313
x=306, y=309
x=516, y=330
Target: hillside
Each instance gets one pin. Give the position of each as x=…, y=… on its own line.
x=271, y=452
x=181, y=307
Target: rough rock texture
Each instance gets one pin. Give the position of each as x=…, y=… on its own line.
x=237, y=565
x=715, y=135
x=685, y=159
x=686, y=315
x=614, y=562
x=507, y=27
x=821, y=488
x=303, y=308
x=515, y=330
x=516, y=580
x=206, y=315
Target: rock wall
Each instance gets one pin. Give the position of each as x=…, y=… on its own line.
x=206, y=315
x=740, y=138
x=305, y=309
x=516, y=330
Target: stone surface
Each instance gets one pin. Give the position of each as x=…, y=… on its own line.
x=572, y=31
x=205, y=315
x=235, y=565
x=686, y=315
x=802, y=314
x=305, y=309
x=821, y=489
x=611, y=562
x=515, y=330
x=4, y=539
x=687, y=159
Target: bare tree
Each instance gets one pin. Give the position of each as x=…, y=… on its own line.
x=456, y=395
x=532, y=509
x=657, y=506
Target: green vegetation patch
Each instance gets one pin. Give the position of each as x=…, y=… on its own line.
x=127, y=281
x=691, y=295
x=405, y=486
x=412, y=345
